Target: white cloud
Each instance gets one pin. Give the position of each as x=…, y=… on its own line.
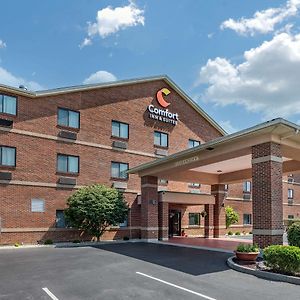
x=8, y=78
x=86, y=42
x=267, y=81
x=2, y=44
x=111, y=20
x=227, y=126
x=263, y=21
x=100, y=76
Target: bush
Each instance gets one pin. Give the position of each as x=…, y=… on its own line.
x=126, y=238
x=48, y=242
x=293, y=235
x=237, y=233
x=17, y=245
x=76, y=242
x=247, y=248
x=232, y=216
x=230, y=233
x=283, y=259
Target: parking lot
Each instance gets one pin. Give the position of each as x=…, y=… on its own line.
x=129, y=271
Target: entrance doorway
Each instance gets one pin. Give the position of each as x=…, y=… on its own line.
x=174, y=223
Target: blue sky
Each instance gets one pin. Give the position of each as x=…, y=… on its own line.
x=240, y=60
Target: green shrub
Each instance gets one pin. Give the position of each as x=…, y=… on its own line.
x=76, y=242
x=126, y=238
x=247, y=248
x=283, y=259
x=237, y=233
x=293, y=235
x=230, y=233
x=232, y=216
x=48, y=242
x=17, y=245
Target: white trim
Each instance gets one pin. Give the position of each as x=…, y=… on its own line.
x=149, y=228
x=267, y=158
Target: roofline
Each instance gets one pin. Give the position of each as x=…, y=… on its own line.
x=215, y=142
x=87, y=87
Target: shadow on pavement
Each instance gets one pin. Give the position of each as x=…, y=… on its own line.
x=187, y=260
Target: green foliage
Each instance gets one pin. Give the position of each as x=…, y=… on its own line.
x=289, y=222
x=293, y=235
x=230, y=233
x=237, y=233
x=94, y=208
x=126, y=238
x=247, y=248
x=48, y=242
x=284, y=259
x=232, y=216
x=17, y=245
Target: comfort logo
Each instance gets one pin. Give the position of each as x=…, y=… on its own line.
x=160, y=98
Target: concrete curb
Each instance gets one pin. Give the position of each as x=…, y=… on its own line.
x=194, y=247
x=262, y=274
x=70, y=244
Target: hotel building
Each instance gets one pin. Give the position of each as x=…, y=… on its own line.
x=55, y=141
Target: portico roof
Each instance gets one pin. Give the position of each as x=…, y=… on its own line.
x=227, y=159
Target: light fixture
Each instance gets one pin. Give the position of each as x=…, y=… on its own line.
x=219, y=171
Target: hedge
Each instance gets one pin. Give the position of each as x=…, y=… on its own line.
x=282, y=259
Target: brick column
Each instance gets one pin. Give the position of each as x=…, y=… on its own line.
x=149, y=208
x=267, y=204
x=209, y=221
x=163, y=221
x=218, y=190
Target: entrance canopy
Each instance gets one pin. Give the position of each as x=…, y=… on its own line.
x=228, y=159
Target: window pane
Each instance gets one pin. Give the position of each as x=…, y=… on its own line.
x=60, y=219
x=1, y=103
x=124, y=130
x=63, y=117
x=37, y=205
x=157, y=138
x=115, y=170
x=73, y=164
x=10, y=105
x=124, y=224
x=164, y=140
x=62, y=163
x=73, y=119
x=194, y=219
x=123, y=169
x=8, y=156
x=191, y=143
x=115, y=129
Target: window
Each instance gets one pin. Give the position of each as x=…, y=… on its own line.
x=247, y=186
x=161, y=139
x=120, y=129
x=119, y=170
x=290, y=178
x=68, y=118
x=247, y=219
x=37, y=205
x=67, y=163
x=193, y=143
x=7, y=156
x=8, y=105
x=124, y=224
x=60, y=219
x=194, y=219
x=290, y=216
x=226, y=187
x=290, y=194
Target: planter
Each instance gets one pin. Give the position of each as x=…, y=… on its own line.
x=246, y=256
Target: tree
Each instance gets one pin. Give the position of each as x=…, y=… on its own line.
x=232, y=216
x=94, y=208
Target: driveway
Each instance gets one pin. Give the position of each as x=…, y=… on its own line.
x=129, y=271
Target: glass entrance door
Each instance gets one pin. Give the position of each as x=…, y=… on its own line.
x=174, y=223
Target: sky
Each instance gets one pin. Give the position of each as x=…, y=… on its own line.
x=239, y=60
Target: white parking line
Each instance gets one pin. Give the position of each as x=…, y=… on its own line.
x=52, y=296
x=176, y=286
